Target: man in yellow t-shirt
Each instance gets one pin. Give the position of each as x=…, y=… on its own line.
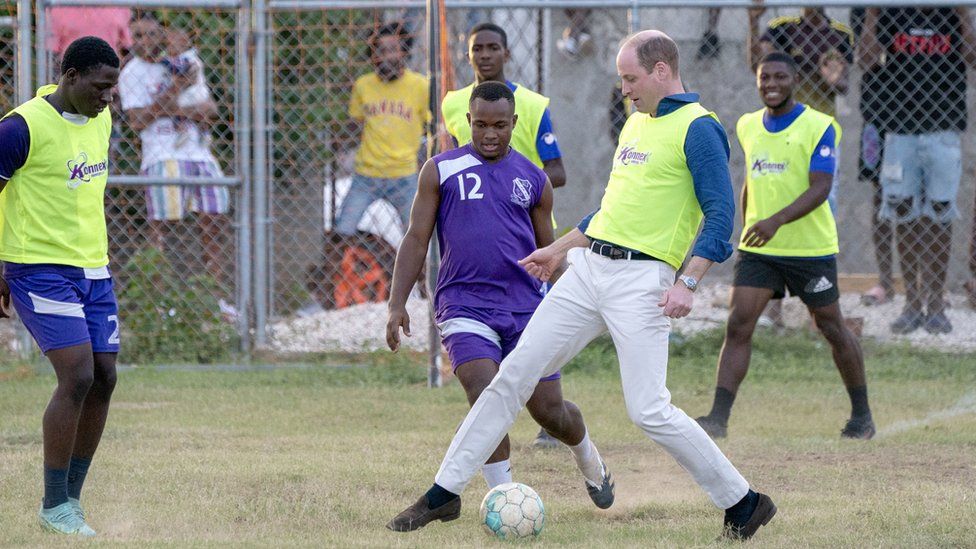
x=789, y=241
x=54, y=255
x=390, y=108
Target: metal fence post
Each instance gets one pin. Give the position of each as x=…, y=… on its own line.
x=261, y=175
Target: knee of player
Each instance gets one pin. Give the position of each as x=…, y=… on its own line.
x=78, y=385
x=832, y=328
x=649, y=416
x=104, y=381
x=739, y=329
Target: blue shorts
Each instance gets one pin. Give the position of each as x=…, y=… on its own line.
x=61, y=307
x=920, y=176
x=471, y=333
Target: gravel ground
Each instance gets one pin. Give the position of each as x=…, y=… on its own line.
x=362, y=327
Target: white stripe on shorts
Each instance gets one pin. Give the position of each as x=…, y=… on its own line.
x=45, y=306
x=468, y=326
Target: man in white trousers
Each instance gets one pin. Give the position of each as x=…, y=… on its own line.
x=670, y=170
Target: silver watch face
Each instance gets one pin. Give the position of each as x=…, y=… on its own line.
x=689, y=282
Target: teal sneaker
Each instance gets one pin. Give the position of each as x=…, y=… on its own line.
x=77, y=506
x=64, y=519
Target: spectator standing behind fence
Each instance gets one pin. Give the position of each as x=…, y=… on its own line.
x=162, y=102
x=388, y=113
x=822, y=48
x=922, y=53
x=873, y=86
x=69, y=23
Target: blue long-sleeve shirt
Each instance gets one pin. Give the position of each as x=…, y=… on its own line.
x=707, y=150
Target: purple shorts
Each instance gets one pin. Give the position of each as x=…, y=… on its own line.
x=62, y=308
x=471, y=333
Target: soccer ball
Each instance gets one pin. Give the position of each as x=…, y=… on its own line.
x=512, y=510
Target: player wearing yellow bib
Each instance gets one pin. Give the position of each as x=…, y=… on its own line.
x=532, y=136
x=53, y=245
x=670, y=172
x=789, y=241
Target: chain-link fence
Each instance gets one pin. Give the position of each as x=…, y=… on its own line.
x=336, y=145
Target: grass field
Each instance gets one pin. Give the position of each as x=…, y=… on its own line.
x=323, y=455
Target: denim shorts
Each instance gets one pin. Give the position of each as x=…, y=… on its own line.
x=920, y=176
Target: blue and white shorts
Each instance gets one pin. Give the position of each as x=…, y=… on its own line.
x=65, y=306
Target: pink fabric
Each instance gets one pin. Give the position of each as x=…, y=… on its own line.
x=67, y=24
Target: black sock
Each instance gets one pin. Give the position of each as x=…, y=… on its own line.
x=859, y=401
x=722, y=405
x=438, y=496
x=741, y=512
x=77, y=472
x=55, y=487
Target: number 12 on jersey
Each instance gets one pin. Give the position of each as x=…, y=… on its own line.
x=473, y=194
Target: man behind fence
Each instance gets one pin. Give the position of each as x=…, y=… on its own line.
x=923, y=53
x=54, y=253
x=173, y=125
x=532, y=136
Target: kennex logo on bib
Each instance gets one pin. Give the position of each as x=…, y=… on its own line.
x=80, y=171
x=761, y=166
x=628, y=154
x=521, y=192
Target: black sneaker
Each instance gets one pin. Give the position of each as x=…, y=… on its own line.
x=545, y=441
x=710, y=47
x=714, y=427
x=859, y=428
x=909, y=321
x=761, y=515
x=419, y=515
x=602, y=495
x=938, y=323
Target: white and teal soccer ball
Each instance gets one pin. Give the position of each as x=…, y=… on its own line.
x=512, y=510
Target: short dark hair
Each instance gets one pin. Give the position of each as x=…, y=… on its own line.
x=488, y=26
x=87, y=53
x=492, y=91
x=395, y=28
x=657, y=49
x=779, y=57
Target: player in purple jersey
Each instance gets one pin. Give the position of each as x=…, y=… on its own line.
x=491, y=207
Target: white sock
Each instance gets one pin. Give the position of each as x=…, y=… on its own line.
x=497, y=473
x=588, y=460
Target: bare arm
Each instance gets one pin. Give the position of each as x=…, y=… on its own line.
x=869, y=49
x=968, y=36
x=756, y=47
x=413, y=250
x=556, y=171
x=763, y=231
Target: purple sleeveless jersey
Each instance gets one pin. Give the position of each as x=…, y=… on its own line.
x=484, y=228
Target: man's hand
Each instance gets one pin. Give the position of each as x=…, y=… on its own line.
x=398, y=319
x=677, y=301
x=4, y=299
x=543, y=263
x=762, y=232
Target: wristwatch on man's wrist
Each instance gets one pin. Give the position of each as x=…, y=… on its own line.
x=690, y=282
